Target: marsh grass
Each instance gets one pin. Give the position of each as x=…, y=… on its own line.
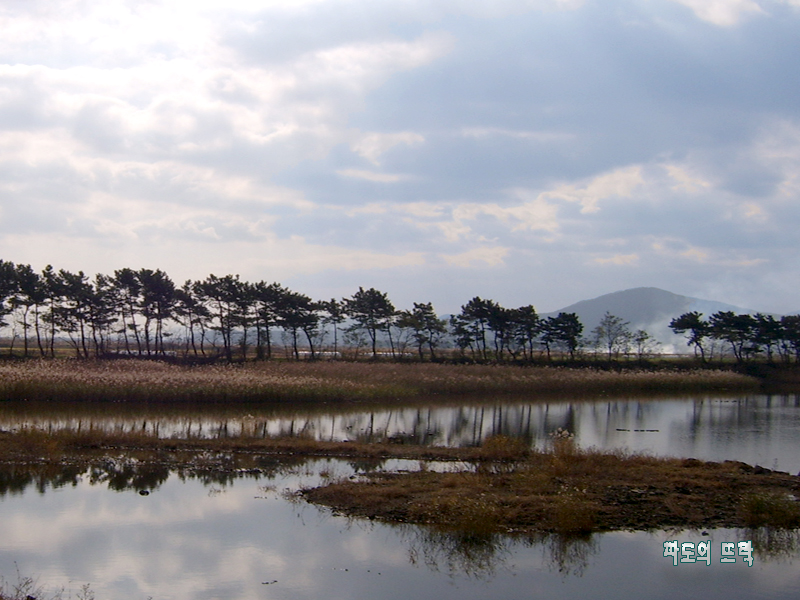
x=571, y=491
x=153, y=381
x=778, y=510
x=504, y=449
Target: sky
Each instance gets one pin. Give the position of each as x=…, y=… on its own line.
x=527, y=151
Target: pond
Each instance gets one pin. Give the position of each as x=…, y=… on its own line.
x=191, y=538
x=756, y=429
x=242, y=536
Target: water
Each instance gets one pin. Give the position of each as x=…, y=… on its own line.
x=238, y=536
x=188, y=539
x=756, y=429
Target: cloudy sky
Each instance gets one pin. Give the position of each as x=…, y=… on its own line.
x=528, y=151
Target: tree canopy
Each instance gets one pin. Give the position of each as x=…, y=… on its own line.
x=142, y=312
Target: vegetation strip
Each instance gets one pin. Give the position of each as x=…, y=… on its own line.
x=570, y=491
x=334, y=381
x=143, y=313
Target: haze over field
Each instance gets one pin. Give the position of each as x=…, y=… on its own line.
x=528, y=151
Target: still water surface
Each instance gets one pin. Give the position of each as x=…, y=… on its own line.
x=242, y=538
x=189, y=540
x=756, y=429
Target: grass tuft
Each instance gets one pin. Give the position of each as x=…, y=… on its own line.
x=777, y=510
x=573, y=513
x=504, y=448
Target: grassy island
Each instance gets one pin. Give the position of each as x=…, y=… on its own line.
x=571, y=491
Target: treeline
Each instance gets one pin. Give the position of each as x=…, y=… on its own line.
x=745, y=336
x=145, y=313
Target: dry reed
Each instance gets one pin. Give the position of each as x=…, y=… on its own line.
x=568, y=490
x=137, y=380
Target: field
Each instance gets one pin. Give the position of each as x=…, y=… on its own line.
x=334, y=381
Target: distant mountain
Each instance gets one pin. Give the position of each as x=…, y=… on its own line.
x=646, y=308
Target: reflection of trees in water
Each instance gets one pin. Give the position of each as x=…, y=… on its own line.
x=480, y=556
x=569, y=555
x=762, y=413
x=128, y=475
x=121, y=474
x=15, y=479
x=467, y=424
x=772, y=544
x=366, y=465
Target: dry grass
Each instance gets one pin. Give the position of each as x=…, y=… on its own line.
x=770, y=509
x=32, y=445
x=135, y=380
x=571, y=491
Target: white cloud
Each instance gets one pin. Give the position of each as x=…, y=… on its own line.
x=452, y=231
x=724, y=13
x=536, y=213
x=619, y=183
x=360, y=66
x=186, y=254
x=371, y=175
x=521, y=210
x=371, y=208
x=779, y=147
x=423, y=209
x=490, y=10
x=684, y=180
x=679, y=250
x=618, y=260
x=534, y=136
x=372, y=145
x=486, y=256
x=194, y=102
x=297, y=255
x=185, y=136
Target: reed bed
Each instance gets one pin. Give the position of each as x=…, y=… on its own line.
x=139, y=380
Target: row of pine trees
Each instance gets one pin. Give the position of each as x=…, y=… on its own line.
x=145, y=313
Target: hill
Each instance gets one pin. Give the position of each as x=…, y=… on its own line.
x=646, y=308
